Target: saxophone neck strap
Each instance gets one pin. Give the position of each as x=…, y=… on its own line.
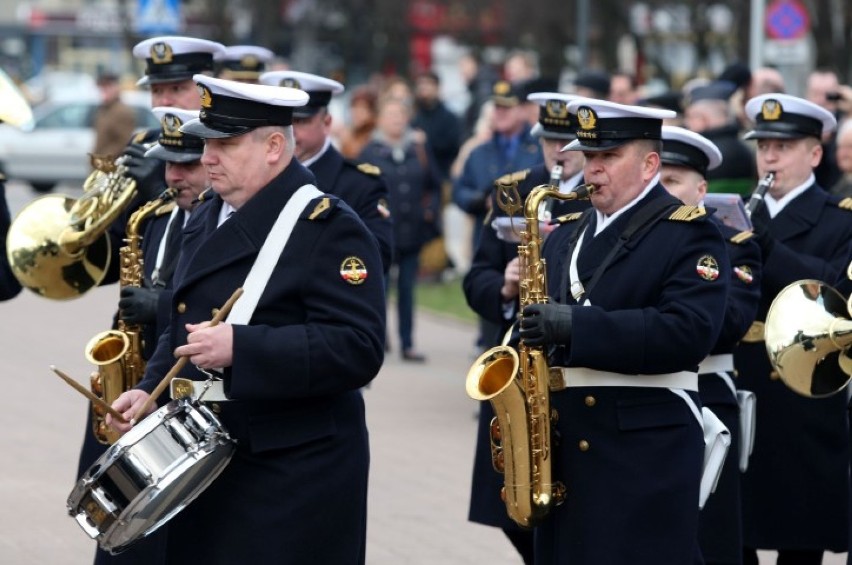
x=641, y=221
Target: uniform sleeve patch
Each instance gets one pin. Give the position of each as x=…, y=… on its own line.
x=353, y=270
x=744, y=273
x=688, y=213
x=707, y=268
x=383, y=208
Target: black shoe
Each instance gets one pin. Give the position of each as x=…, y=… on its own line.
x=413, y=356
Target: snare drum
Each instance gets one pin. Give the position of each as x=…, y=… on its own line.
x=150, y=474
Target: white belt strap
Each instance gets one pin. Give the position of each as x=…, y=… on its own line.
x=269, y=254
x=581, y=376
x=716, y=364
x=577, y=289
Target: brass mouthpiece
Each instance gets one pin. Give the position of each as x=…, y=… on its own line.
x=583, y=191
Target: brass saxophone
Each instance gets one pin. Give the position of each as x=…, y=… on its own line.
x=517, y=383
x=118, y=353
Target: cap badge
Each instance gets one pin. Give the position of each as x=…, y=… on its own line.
x=588, y=120
x=743, y=273
x=249, y=62
x=708, y=268
x=502, y=88
x=556, y=109
x=161, y=53
x=771, y=110
x=290, y=83
x=353, y=270
x=171, y=125
x=206, y=96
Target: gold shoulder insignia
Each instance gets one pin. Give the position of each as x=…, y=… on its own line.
x=688, y=213
x=369, y=169
x=741, y=237
x=519, y=175
x=568, y=218
x=323, y=206
x=846, y=204
x=139, y=137
x=165, y=209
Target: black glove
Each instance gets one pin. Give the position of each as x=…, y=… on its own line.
x=149, y=173
x=138, y=305
x=760, y=221
x=546, y=324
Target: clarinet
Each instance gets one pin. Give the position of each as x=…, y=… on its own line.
x=759, y=192
x=546, y=210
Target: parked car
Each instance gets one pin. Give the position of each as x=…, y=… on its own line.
x=56, y=147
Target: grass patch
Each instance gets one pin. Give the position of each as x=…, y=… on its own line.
x=444, y=298
x=441, y=297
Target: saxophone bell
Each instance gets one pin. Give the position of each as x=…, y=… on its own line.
x=117, y=353
x=516, y=383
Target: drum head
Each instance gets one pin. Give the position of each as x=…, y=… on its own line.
x=151, y=474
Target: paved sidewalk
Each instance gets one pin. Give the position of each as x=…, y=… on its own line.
x=421, y=430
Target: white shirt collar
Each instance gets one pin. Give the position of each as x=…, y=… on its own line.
x=775, y=206
x=225, y=212
x=569, y=184
x=314, y=158
x=603, y=221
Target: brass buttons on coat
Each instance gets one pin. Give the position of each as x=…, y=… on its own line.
x=181, y=308
x=590, y=401
x=584, y=445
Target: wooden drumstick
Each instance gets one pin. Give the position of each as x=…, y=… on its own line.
x=161, y=387
x=89, y=394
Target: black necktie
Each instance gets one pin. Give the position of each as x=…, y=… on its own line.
x=172, y=251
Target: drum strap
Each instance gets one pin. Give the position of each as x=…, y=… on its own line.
x=270, y=253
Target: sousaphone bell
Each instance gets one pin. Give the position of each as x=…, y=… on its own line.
x=808, y=337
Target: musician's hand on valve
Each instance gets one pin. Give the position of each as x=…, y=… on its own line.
x=128, y=404
x=208, y=347
x=138, y=305
x=147, y=172
x=546, y=324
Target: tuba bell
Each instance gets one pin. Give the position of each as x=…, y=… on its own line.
x=57, y=246
x=808, y=336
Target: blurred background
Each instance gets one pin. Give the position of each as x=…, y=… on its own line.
x=660, y=42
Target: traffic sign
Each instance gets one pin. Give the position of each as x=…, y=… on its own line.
x=158, y=17
x=787, y=19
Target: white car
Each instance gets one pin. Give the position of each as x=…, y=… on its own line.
x=56, y=147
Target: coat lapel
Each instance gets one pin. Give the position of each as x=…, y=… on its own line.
x=799, y=215
x=244, y=233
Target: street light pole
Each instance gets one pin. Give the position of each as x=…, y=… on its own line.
x=758, y=13
x=582, y=28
